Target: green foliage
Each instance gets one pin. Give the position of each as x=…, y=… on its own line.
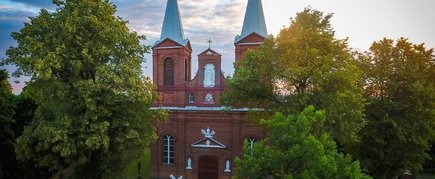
x=305, y=65
x=93, y=104
x=399, y=87
x=296, y=148
x=15, y=113
x=7, y=135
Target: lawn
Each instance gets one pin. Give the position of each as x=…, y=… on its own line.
x=425, y=176
x=145, y=168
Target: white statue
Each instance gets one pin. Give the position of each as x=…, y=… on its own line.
x=227, y=166
x=189, y=164
x=209, y=76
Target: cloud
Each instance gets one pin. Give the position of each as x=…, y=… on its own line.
x=48, y=4
x=221, y=20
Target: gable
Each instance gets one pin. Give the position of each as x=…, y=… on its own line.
x=208, y=141
x=209, y=52
x=167, y=43
x=252, y=38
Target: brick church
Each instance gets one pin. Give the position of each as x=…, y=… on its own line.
x=200, y=138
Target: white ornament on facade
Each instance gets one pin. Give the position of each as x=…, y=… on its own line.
x=208, y=98
x=209, y=76
x=208, y=141
x=173, y=177
x=208, y=133
x=227, y=166
x=189, y=164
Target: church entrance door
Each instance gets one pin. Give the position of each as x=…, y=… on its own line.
x=208, y=167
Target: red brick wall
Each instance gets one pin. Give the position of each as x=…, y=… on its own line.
x=251, y=41
x=231, y=129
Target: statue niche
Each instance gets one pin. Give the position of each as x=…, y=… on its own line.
x=209, y=75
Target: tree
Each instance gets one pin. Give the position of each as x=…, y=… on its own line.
x=399, y=86
x=296, y=148
x=7, y=136
x=23, y=108
x=93, y=104
x=305, y=65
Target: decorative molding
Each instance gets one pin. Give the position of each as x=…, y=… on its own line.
x=173, y=177
x=208, y=141
x=199, y=108
x=208, y=133
x=208, y=98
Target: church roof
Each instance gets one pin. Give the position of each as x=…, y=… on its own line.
x=172, y=26
x=254, y=20
x=209, y=52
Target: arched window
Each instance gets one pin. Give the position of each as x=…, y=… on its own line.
x=209, y=75
x=186, y=70
x=251, y=141
x=168, y=72
x=168, y=149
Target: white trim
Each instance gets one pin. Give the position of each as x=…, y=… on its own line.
x=218, y=146
x=250, y=43
x=197, y=108
x=169, y=47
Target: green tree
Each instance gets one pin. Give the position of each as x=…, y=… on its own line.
x=92, y=102
x=296, y=148
x=399, y=87
x=7, y=136
x=23, y=109
x=304, y=65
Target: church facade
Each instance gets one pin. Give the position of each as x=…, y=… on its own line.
x=200, y=139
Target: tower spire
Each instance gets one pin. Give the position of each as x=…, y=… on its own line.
x=254, y=20
x=172, y=26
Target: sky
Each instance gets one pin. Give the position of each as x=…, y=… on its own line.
x=361, y=21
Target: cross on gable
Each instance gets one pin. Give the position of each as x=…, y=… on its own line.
x=209, y=42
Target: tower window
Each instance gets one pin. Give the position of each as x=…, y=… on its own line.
x=168, y=149
x=168, y=72
x=186, y=70
x=191, y=98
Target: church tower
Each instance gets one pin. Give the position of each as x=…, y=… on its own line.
x=254, y=30
x=172, y=59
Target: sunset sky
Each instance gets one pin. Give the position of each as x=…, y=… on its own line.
x=362, y=21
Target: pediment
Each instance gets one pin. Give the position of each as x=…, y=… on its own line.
x=209, y=52
x=167, y=43
x=208, y=141
x=252, y=38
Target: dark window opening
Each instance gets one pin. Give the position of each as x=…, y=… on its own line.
x=191, y=98
x=168, y=72
x=186, y=70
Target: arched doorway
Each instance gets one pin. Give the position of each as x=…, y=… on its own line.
x=208, y=167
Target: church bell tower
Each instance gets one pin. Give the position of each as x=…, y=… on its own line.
x=172, y=59
x=254, y=30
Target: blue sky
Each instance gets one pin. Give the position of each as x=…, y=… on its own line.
x=363, y=21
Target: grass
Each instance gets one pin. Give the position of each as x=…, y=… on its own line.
x=425, y=176
x=145, y=168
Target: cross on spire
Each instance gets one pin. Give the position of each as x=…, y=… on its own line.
x=209, y=42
